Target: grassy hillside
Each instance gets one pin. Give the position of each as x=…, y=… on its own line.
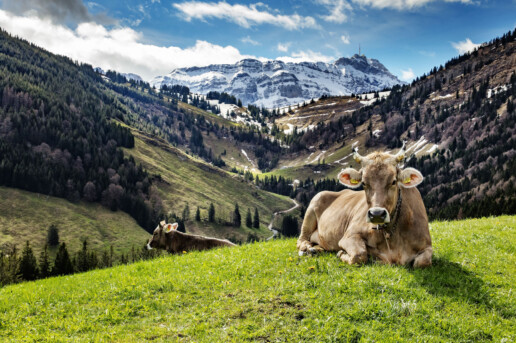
x=265, y=292
x=27, y=216
x=187, y=179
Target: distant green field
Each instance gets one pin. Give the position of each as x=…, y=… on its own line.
x=264, y=292
x=27, y=216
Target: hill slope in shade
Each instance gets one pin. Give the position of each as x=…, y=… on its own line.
x=27, y=216
x=265, y=292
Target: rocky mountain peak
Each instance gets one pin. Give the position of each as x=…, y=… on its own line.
x=276, y=83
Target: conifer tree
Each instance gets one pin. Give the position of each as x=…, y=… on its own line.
x=248, y=219
x=9, y=266
x=289, y=227
x=181, y=226
x=237, y=219
x=53, y=236
x=211, y=213
x=44, y=262
x=82, y=258
x=62, y=265
x=198, y=214
x=28, y=268
x=186, y=213
x=256, y=219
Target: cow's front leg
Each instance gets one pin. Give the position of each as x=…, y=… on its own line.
x=353, y=250
x=304, y=244
x=424, y=258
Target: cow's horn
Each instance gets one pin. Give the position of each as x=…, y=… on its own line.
x=357, y=157
x=401, y=154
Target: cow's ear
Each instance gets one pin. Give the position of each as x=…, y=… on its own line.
x=350, y=177
x=410, y=177
x=171, y=227
x=162, y=224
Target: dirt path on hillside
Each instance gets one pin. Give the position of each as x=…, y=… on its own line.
x=276, y=232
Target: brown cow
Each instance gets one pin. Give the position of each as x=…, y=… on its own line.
x=387, y=220
x=167, y=237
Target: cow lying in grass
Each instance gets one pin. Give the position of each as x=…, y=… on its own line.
x=387, y=220
x=168, y=238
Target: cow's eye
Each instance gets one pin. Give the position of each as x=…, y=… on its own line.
x=394, y=183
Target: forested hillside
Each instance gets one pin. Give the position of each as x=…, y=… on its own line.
x=67, y=131
x=466, y=109
x=58, y=135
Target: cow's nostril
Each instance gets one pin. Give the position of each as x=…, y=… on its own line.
x=377, y=213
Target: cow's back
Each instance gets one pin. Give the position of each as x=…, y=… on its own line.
x=335, y=212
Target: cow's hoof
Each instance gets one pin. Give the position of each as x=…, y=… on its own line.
x=301, y=253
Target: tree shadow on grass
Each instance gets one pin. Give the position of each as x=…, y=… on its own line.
x=450, y=280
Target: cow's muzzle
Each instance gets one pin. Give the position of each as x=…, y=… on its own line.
x=378, y=215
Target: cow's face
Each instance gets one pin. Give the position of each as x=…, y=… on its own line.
x=381, y=177
x=158, y=239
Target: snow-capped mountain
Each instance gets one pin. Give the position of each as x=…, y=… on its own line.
x=132, y=76
x=275, y=83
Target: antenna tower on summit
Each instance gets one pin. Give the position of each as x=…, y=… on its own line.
x=358, y=49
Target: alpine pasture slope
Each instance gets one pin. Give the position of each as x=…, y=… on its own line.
x=265, y=292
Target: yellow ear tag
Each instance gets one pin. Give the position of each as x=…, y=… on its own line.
x=407, y=180
x=354, y=181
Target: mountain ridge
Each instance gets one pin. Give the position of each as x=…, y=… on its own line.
x=275, y=83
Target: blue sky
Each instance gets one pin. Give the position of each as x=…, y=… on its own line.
x=152, y=37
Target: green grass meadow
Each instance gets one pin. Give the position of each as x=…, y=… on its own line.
x=264, y=292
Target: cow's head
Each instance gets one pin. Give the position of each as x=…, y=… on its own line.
x=381, y=177
x=159, y=237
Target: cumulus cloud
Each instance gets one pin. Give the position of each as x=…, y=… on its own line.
x=306, y=56
x=245, y=16
x=283, y=47
x=58, y=11
x=402, y=4
x=465, y=46
x=345, y=39
x=249, y=40
x=338, y=10
x=118, y=48
x=407, y=75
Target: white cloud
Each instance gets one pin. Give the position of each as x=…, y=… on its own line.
x=345, y=39
x=306, y=56
x=407, y=75
x=119, y=48
x=245, y=16
x=465, y=46
x=402, y=4
x=337, y=8
x=249, y=40
x=283, y=47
